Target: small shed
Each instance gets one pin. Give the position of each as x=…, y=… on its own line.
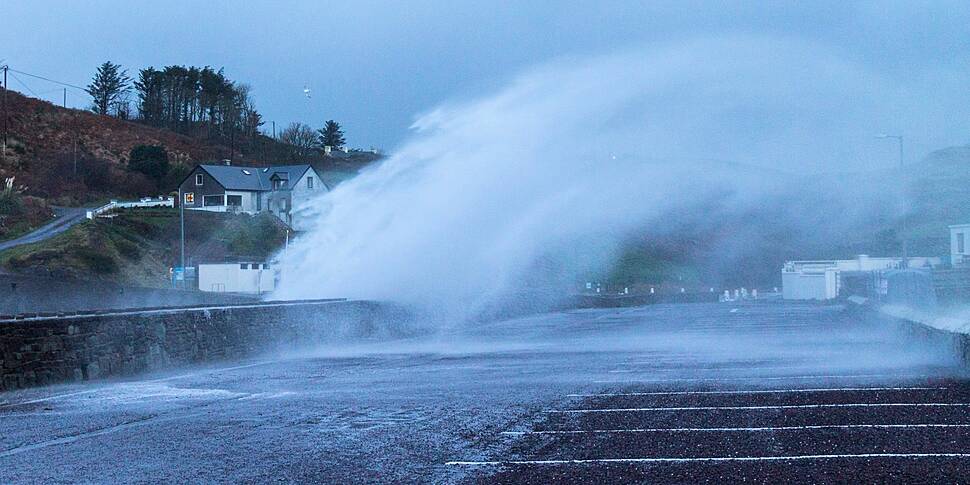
x=242, y=277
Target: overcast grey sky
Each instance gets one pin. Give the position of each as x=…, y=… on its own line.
x=374, y=66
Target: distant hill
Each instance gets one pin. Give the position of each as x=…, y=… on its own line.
x=748, y=248
x=940, y=187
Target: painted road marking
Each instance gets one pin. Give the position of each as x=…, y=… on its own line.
x=758, y=391
x=689, y=367
x=147, y=420
x=707, y=459
x=763, y=378
x=727, y=430
x=755, y=408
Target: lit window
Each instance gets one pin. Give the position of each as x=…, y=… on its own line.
x=198, y=179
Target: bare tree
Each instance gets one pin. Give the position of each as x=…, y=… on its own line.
x=300, y=137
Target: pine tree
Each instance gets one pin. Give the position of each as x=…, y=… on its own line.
x=107, y=88
x=331, y=135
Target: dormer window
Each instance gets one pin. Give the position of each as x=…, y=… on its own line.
x=198, y=179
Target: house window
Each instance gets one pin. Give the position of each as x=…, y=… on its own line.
x=265, y=266
x=961, y=248
x=259, y=203
x=309, y=182
x=212, y=200
x=189, y=198
x=235, y=200
x=198, y=179
x=244, y=266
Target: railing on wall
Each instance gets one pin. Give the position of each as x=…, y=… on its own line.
x=146, y=202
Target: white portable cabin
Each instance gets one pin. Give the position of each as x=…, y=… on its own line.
x=237, y=277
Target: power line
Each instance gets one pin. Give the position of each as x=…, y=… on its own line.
x=49, y=80
x=23, y=84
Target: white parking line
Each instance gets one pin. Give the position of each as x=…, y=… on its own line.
x=755, y=408
x=757, y=391
x=707, y=459
x=688, y=367
x=760, y=378
x=728, y=430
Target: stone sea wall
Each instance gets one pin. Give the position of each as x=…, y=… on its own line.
x=40, y=349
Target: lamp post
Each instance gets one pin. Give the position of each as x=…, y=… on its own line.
x=182, y=234
x=899, y=138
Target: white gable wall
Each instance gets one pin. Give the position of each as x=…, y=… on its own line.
x=301, y=194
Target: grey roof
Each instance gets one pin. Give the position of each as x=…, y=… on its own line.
x=257, y=179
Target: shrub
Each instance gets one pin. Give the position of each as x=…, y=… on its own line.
x=11, y=202
x=96, y=261
x=151, y=160
x=128, y=249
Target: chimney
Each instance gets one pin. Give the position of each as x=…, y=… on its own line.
x=327, y=149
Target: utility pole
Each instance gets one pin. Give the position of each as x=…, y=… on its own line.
x=64, y=103
x=182, y=234
x=3, y=148
x=902, y=163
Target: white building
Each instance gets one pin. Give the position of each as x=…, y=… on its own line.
x=822, y=279
x=237, y=277
x=251, y=190
x=959, y=235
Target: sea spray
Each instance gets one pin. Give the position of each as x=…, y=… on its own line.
x=542, y=181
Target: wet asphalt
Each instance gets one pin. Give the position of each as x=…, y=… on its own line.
x=693, y=393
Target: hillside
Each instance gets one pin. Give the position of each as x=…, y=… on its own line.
x=748, y=248
x=139, y=246
x=71, y=157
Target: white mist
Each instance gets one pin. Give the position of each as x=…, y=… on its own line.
x=552, y=173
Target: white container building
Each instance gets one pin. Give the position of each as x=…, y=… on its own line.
x=253, y=278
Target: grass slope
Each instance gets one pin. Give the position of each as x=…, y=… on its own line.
x=139, y=246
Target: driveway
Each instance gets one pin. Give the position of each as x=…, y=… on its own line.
x=64, y=218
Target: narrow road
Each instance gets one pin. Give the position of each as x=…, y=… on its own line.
x=64, y=218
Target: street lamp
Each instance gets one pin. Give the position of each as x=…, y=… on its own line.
x=899, y=138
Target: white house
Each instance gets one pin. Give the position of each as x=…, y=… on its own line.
x=959, y=235
x=822, y=279
x=237, y=277
x=251, y=190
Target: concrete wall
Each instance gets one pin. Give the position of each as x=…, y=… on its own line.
x=946, y=340
x=22, y=294
x=46, y=349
